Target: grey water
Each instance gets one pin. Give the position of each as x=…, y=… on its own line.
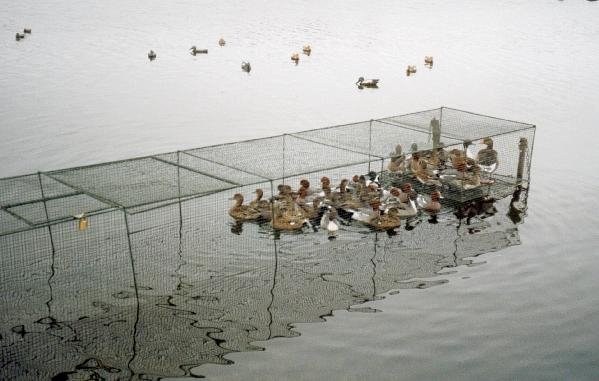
x=80, y=90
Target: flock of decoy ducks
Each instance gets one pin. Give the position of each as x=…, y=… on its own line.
x=295, y=57
x=245, y=65
x=362, y=199
x=21, y=35
x=365, y=199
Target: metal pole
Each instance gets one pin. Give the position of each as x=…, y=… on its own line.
x=369, y=143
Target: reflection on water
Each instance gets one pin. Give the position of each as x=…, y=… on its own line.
x=151, y=294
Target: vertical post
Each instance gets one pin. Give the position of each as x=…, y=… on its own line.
x=284, y=141
x=52, y=247
x=523, y=146
x=135, y=287
x=369, y=143
x=272, y=203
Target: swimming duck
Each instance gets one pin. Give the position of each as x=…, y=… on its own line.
x=263, y=206
x=27, y=30
x=307, y=50
x=383, y=221
x=221, y=42
x=433, y=206
x=295, y=57
x=372, y=83
x=287, y=217
x=428, y=60
x=407, y=193
x=245, y=66
x=194, y=51
x=243, y=212
x=19, y=36
x=329, y=222
x=152, y=55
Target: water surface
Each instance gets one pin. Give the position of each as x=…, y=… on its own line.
x=81, y=90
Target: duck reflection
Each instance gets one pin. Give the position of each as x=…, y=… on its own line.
x=158, y=294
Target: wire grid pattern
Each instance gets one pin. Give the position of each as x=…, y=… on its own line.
x=202, y=296
x=58, y=208
x=280, y=156
x=138, y=182
x=144, y=184
x=458, y=124
x=232, y=175
x=354, y=137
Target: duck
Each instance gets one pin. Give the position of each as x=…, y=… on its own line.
x=27, y=30
x=195, y=51
x=287, y=217
x=245, y=66
x=383, y=221
x=487, y=159
x=372, y=83
x=411, y=69
x=407, y=193
x=307, y=50
x=263, y=206
x=221, y=42
x=19, y=36
x=428, y=60
x=433, y=207
x=152, y=55
x=295, y=57
x=402, y=209
x=242, y=212
x=329, y=222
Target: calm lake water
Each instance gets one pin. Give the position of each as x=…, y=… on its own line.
x=80, y=90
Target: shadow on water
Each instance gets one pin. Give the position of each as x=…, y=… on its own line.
x=154, y=294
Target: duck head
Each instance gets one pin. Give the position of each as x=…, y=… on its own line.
x=238, y=197
x=360, y=80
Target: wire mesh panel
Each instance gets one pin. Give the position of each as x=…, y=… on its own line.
x=355, y=137
x=139, y=181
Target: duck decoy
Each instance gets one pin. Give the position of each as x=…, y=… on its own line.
x=245, y=66
x=243, y=212
x=152, y=55
x=195, y=51
x=372, y=83
x=295, y=57
x=19, y=36
x=433, y=206
x=221, y=42
x=27, y=30
x=307, y=50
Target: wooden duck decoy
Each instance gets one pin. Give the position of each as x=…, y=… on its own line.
x=152, y=55
x=372, y=83
x=245, y=66
x=221, y=42
x=194, y=51
x=243, y=212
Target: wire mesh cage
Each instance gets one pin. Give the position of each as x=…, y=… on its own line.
x=463, y=155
